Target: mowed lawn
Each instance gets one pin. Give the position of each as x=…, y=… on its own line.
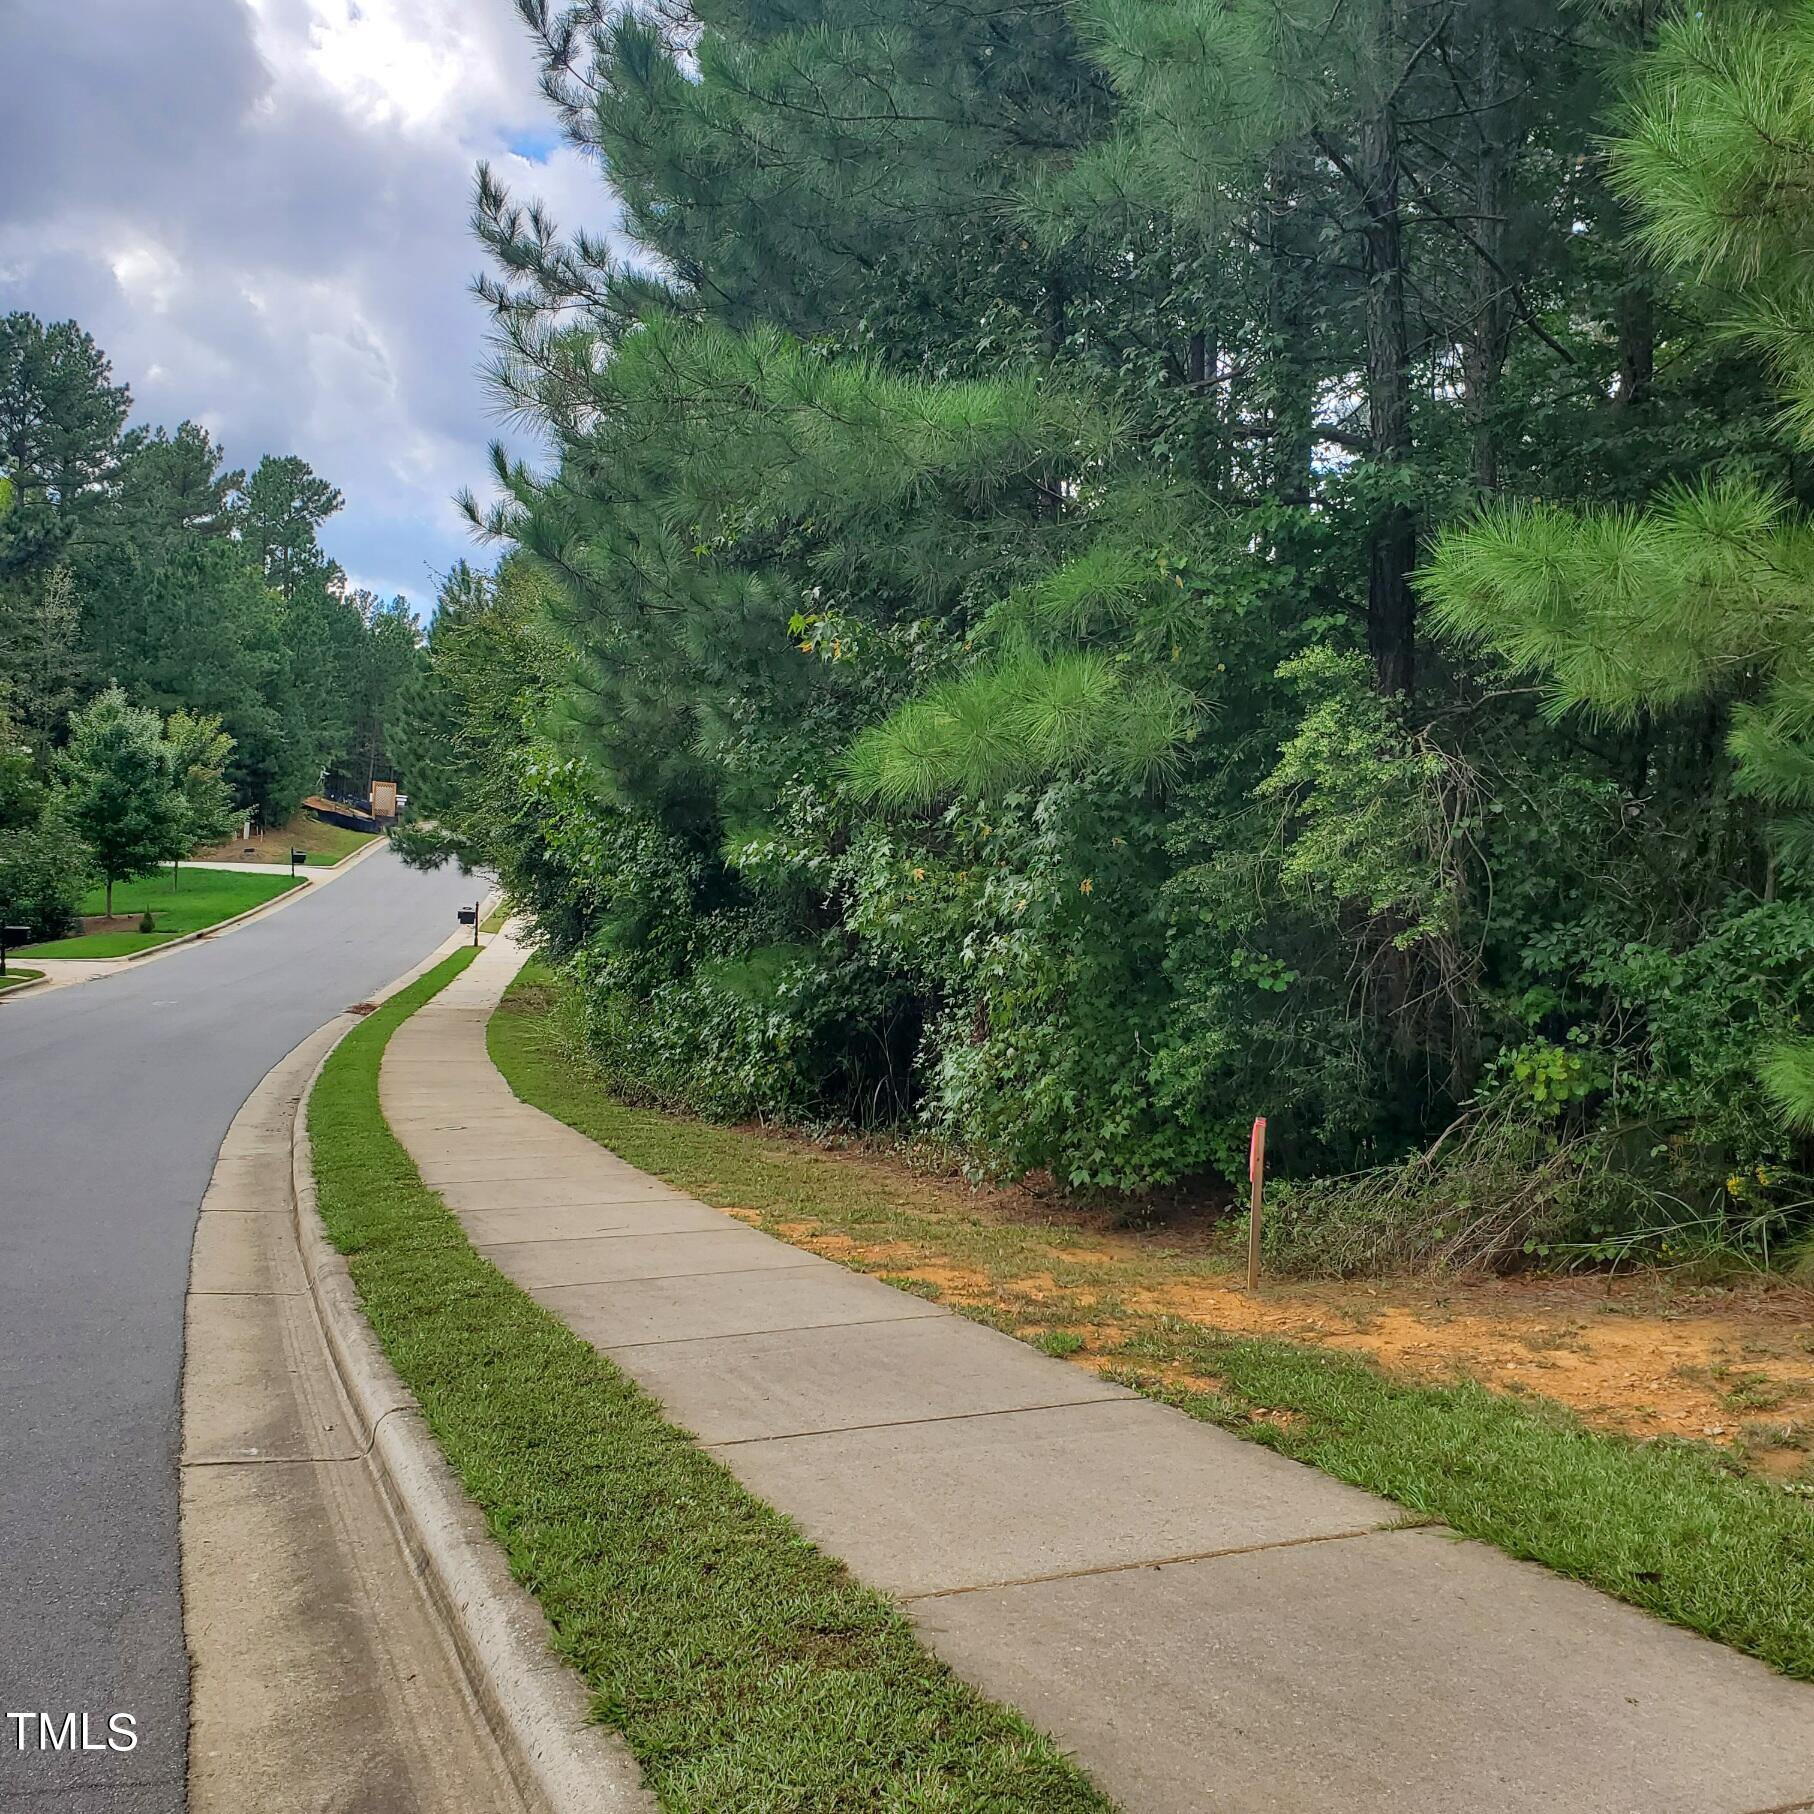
x=198, y=898
x=324, y=844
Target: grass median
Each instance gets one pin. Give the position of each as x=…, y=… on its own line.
x=1666, y=1525
x=746, y=1669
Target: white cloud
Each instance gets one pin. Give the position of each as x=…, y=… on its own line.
x=259, y=209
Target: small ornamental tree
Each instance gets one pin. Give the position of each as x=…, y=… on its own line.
x=120, y=792
x=41, y=859
x=199, y=753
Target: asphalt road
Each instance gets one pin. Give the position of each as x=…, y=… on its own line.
x=114, y=1096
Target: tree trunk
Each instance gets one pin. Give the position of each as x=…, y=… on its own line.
x=1489, y=301
x=1391, y=604
x=1203, y=358
x=110, y=897
x=1288, y=375
x=1057, y=326
x=1635, y=322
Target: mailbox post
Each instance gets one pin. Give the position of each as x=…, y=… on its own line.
x=11, y=935
x=298, y=856
x=469, y=916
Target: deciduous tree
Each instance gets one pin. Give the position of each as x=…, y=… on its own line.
x=120, y=791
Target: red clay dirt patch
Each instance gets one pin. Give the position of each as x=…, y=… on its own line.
x=1708, y=1364
x=1731, y=1364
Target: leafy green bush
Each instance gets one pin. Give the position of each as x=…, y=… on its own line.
x=42, y=867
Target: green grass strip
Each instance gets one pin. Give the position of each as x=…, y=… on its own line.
x=191, y=902
x=1660, y=1524
x=747, y=1670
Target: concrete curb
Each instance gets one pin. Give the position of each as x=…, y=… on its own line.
x=537, y=1708
x=326, y=873
x=380, y=842
x=219, y=926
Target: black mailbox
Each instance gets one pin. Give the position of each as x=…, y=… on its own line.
x=10, y=936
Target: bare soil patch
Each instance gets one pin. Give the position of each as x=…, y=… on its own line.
x=1649, y=1354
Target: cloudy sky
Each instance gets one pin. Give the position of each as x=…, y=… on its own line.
x=258, y=208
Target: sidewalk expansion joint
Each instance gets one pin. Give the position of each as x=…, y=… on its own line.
x=915, y=1423
x=931, y=1314
x=1203, y=1555
x=551, y=1176
x=646, y=1278
x=600, y=1234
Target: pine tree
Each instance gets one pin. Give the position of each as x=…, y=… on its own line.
x=977, y=555
x=40, y=652
x=286, y=502
x=60, y=422
x=1700, y=599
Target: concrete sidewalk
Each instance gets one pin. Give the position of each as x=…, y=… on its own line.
x=1205, y=1624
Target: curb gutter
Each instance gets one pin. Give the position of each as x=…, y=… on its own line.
x=326, y=873
x=538, y=1709
x=219, y=926
x=277, y=901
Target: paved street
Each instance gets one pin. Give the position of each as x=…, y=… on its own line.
x=114, y=1096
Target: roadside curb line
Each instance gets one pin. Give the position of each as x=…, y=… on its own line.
x=277, y=902
x=538, y=1709
x=377, y=841
x=219, y=926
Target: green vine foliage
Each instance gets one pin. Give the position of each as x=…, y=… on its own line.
x=1367, y=804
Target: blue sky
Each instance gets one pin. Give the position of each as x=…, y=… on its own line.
x=259, y=209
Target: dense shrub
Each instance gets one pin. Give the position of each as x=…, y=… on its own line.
x=42, y=871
